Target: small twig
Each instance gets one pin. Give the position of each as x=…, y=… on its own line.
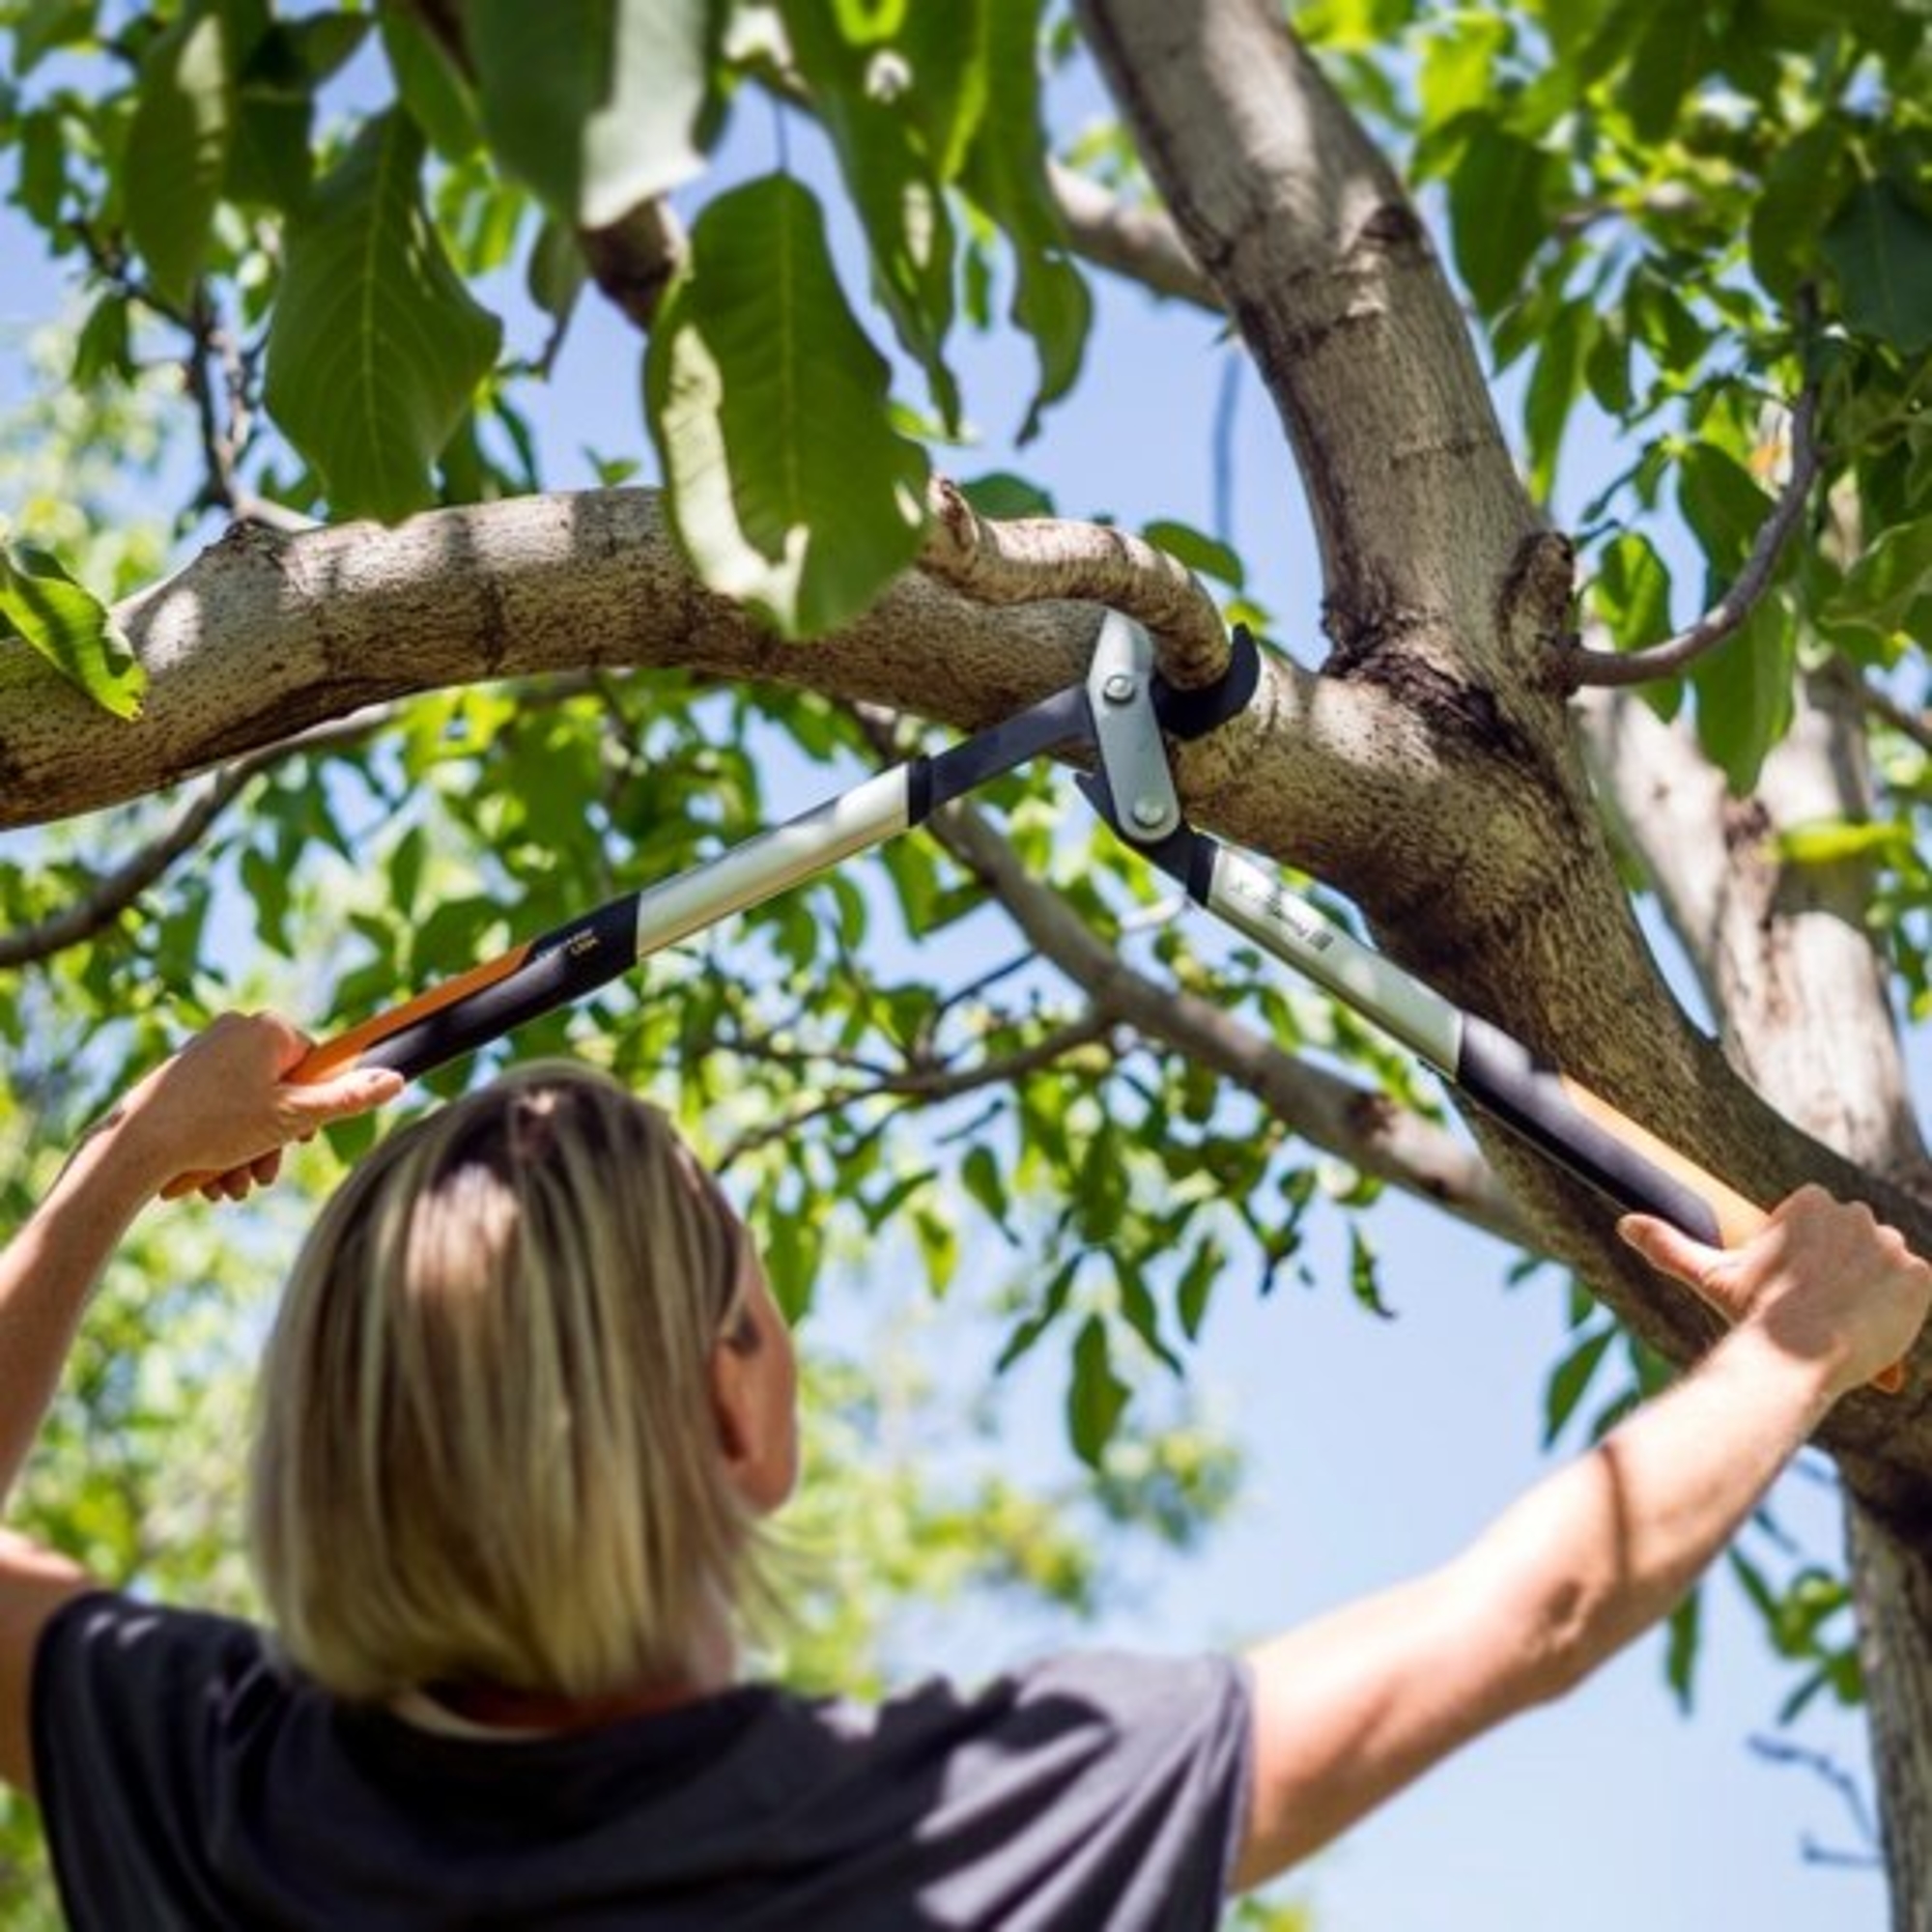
x=1035, y=559
x=1882, y=705
x=928, y=1085
x=1578, y=668
x=985, y=983
x=1137, y=241
x=113, y=892
x=1775, y=1750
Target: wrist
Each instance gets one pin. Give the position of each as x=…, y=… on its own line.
x=119, y=1155
x=1808, y=1373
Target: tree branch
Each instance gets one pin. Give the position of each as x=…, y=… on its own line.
x=1782, y=951
x=266, y=633
x=928, y=1085
x=1031, y=560
x=1882, y=705
x=1326, y=271
x=1351, y=1123
x=112, y=893
x=1578, y=668
x=1138, y=243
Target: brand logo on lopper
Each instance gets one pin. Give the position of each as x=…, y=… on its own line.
x=580, y=943
x=1282, y=908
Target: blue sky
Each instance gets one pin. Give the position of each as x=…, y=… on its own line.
x=1377, y=1448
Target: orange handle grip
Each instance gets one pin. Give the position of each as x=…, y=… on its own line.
x=1738, y=1219
x=346, y=1049
x=1635, y=1167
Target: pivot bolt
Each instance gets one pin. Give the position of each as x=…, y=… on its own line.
x=1119, y=688
x=1147, y=812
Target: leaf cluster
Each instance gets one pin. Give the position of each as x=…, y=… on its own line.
x=335, y=198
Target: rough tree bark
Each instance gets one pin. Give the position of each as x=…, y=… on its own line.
x=1431, y=770
x=1442, y=591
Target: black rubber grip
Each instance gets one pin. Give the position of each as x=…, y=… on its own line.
x=1497, y=1072
x=561, y=966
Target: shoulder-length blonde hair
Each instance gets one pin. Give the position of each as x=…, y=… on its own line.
x=485, y=1450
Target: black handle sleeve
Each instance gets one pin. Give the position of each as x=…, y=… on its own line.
x=1637, y=1169
x=560, y=966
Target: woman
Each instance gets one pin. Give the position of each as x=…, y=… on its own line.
x=527, y=1402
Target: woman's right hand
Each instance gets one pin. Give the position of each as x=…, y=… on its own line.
x=223, y=1106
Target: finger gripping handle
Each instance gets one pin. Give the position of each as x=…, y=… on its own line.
x=1639, y=1170
x=474, y=1008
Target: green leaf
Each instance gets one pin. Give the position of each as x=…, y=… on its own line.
x=1498, y=207
x=598, y=104
x=1198, y=551
x=1882, y=589
x=1005, y=173
x=178, y=147
x=1680, y=1659
x=1803, y=183
x=1095, y=1396
x=44, y=25
x=557, y=270
x=1362, y=1283
x=325, y=43
x=102, y=348
x=1142, y=1312
x=1554, y=385
x=980, y=1173
x=43, y=183
x=1196, y=1286
x=1457, y=69
x=899, y=196
x=1880, y=246
x=1002, y=493
x=1827, y=841
x=1027, y=1333
x=1570, y=1380
x=437, y=98
x=947, y=49
x=271, y=159
x=1723, y=504
x=1606, y=368
x=787, y=484
x=376, y=348
x=1744, y=692
x=1630, y=591
x=1675, y=49
x=71, y=628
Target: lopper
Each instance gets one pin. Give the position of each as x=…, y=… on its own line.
x=1120, y=715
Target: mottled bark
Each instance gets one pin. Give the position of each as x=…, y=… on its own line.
x=1443, y=591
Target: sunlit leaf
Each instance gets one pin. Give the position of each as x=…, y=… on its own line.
x=599, y=105
x=71, y=629
x=787, y=487
x=177, y=147
x=375, y=346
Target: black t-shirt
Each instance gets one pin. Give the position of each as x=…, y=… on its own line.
x=188, y=1780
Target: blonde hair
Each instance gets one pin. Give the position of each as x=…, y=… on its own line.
x=485, y=1450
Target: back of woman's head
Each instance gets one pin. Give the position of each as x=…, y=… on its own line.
x=486, y=1451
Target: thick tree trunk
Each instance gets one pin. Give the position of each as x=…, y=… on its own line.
x=1441, y=590
x=1891, y=1576
x=1791, y=973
